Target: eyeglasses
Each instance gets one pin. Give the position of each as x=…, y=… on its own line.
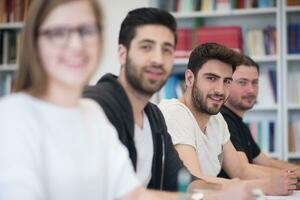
x=60, y=36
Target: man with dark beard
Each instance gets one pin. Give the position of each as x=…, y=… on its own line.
x=200, y=133
x=243, y=94
x=147, y=42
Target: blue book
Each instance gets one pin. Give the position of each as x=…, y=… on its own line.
x=272, y=136
x=297, y=40
x=170, y=87
x=272, y=77
x=292, y=38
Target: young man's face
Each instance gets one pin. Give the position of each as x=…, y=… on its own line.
x=211, y=87
x=244, y=89
x=149, y=59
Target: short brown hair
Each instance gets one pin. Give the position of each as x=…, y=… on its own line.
x=208, y=51
x=249, y=62
x=31, y=75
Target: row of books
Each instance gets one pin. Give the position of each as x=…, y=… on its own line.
x=294, y=38
x=9, y=46
x=211, y=5
x=264, y=133
x=13, y=10
x=251, y=41
x=294, y=136
x=260, y=42
x=175, y=87
x=293, y=2
x=267, y=94
x=6, y=80
x=293, y=89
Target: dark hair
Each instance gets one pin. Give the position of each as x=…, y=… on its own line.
x=145, y=16
x=208, y=51
x=31, y=74
x=247, y=61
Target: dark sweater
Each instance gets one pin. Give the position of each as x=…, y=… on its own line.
x=115, y=103
x=240, y=136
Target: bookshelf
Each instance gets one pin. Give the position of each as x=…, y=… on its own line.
x=281, y=112
x=12, y=14
x=291, y=73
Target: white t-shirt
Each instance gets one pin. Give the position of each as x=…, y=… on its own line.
x=52, y=152
x=144, y=146
x=184, y=129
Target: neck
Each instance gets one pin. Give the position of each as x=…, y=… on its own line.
x=137, y=100
x=238, y=112
x=62, y=96
x=201, y=118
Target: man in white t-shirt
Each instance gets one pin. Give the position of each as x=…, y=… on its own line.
x=200, y=133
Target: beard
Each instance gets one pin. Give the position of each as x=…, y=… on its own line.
x=134, y=76
x=199, y=101
x=239, y=105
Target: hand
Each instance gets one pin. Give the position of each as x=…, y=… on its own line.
x=282, y=183
x=296, y=170
x=235, y=190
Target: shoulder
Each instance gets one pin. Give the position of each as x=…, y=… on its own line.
x=218, y=118
x=218, y=123
x=14, y=104
x=92, y=107
x=173, y=106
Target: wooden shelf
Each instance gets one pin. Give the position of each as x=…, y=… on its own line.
x=274, y=155
x=235, y=12
x=181, y=61
x=293, y=57
x=295, y=155
x=293, y=106
x=8, y=68
x=292, y=8
x=16, y=25
x=264, y=108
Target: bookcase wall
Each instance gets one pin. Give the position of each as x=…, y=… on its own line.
x=291, y=78
x=12, y=14
x=270, y=108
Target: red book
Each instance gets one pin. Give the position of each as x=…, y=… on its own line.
x=184, y=43
x=229, y=36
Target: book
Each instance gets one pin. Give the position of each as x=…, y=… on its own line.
x=184, y=44
x=291, y=138
x=229, y=36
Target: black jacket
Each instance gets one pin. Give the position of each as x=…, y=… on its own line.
x=115, y=103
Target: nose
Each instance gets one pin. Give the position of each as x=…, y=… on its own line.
x=75, y=41
x=251, y=88
x=157, y=57
x=220, y=87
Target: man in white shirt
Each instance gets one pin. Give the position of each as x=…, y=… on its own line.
x=199, y=132
x=147, y=42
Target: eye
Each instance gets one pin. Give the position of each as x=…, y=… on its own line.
x=211, y=78
x=242, y=83
x=57, y=33
x=87, y=30
x=227, y=81
x=168, y=50
x=255, y=83
x=146, y=47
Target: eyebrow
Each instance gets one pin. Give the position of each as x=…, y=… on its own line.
x=152, y=42
x=245, y=79
x=215, y=75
